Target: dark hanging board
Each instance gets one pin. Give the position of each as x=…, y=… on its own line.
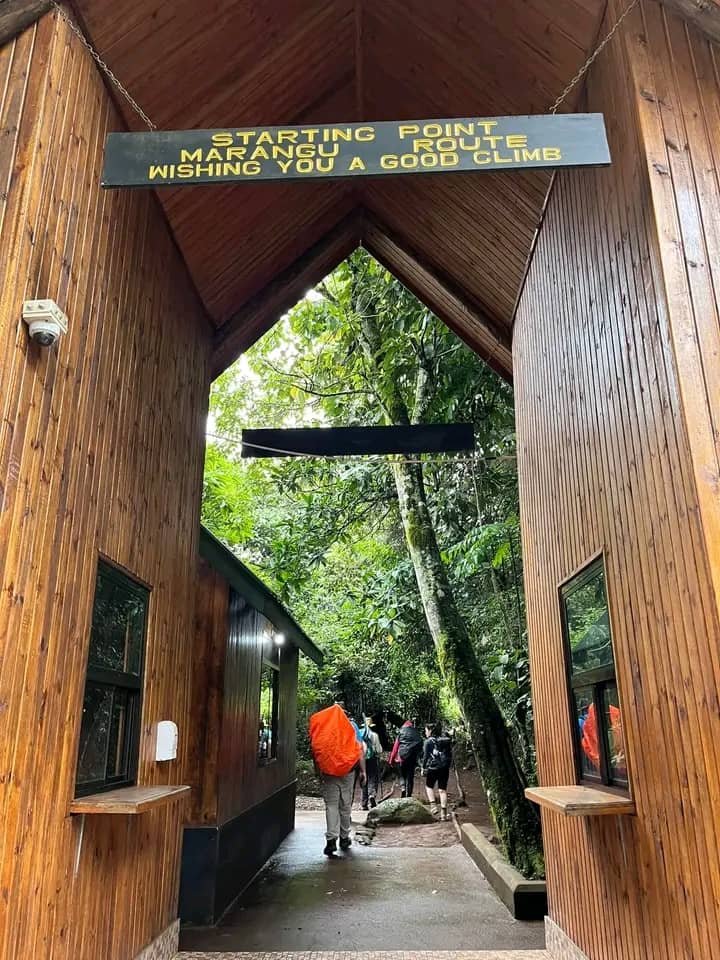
x=358, y=441
x=332, y=151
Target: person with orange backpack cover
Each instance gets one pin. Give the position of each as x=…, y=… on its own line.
x=337, y=754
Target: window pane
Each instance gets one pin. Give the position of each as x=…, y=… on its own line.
x=589, y=734
x=117, y=746
x=588, y=622
x=267, y=728
x=94, y=733
x=616, y=743
x=118, y=624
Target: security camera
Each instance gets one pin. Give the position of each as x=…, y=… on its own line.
x=46, y=321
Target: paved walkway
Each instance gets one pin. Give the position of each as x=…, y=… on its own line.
x=378, y=955
x=374, y=899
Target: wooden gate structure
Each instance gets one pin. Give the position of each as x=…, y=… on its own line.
x=596, y=291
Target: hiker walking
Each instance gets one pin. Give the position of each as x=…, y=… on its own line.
x=436, y=763
x=406, y=750
x=337, y=755
x=373, y=755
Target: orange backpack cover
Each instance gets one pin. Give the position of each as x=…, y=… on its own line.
x=333, y=741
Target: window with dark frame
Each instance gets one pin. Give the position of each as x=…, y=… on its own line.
x=269, y=706
x=110, y=728
x=594, y=702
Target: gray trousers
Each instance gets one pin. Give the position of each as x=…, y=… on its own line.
x=338, y=793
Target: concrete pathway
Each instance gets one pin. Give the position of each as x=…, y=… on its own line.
x=378, y=955
x=374, y=899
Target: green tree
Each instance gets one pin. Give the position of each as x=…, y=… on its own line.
x=364, y=350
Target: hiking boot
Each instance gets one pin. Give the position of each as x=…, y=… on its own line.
x=330, y=848
x=434, y=810
x=373, y=803
x=345, y=843
x=444, y=814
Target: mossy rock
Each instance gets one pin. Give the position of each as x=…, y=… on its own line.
x=400, y=812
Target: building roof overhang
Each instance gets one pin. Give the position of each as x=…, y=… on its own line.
x=461, y=242
x=256, y=593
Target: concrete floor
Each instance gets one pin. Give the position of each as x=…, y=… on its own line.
x=374, y=899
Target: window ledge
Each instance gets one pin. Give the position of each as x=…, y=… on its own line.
x=581, y=801
x=128, y=800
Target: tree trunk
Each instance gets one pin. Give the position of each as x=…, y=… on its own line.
x=517, y=822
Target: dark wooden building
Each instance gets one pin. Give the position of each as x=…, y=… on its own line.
x=595, y=291
x=244, y=706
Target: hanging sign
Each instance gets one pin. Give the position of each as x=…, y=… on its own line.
x=332, y=151
x=358, y=441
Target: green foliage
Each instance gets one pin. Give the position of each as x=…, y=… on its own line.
x=327, y=535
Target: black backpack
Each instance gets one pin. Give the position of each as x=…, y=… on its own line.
x=440, y=753
x=410, y=742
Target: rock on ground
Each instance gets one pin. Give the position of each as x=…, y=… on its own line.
x=407, y=810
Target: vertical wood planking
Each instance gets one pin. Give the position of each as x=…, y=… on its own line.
x=606, y=461
x=230, y=639
x=101, y=443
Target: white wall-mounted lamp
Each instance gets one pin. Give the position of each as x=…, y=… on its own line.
x=279, y=639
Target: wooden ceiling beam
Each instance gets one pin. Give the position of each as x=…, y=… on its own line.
x=259, y=314
x=453, y=306
x=704, y=14
x=17, y=15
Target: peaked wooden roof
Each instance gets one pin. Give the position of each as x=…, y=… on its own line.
x=459, y=241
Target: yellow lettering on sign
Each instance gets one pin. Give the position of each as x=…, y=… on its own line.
x=264, y=137
x=421, y=143
x=499, y=158
x=365, y=134
x=345, y=134
x=251, y=168
x=304, y=166
x=194, y=156
x=389, y=161
x=185, y=170
x=407, y=130
x=446, y=145
x=552, y=153
x=222, y=139
x=289, y=135
x=244, y=136
x=514, y=140
x=260, y=153
x=529, y=155
x=357, y=163
x=487, y=125
x=235, y=153
x=482, y=157
x=328, y=149
x=310, y=133
x=159, y=171
x=449, y=159
x=213, y=154
x=305, y=150
x=284, y=165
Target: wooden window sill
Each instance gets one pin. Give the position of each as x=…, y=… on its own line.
x=128, y=800
x=581, y=801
